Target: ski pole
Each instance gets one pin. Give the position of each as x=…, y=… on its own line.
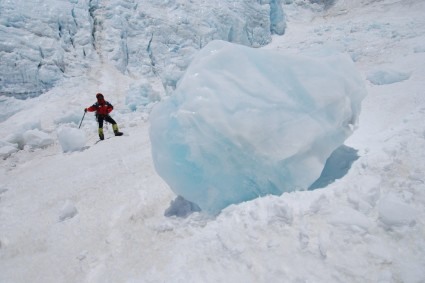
x=82, y=119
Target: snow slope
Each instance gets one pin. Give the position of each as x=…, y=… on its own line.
x=97, y=215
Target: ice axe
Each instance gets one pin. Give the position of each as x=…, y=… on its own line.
x=82, y=119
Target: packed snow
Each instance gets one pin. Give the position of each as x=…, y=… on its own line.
x=102, y=213
x=264, y=121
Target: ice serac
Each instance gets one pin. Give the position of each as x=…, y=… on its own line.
x=44, y=41
x=248, y=122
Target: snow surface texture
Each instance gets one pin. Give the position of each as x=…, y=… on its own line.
x=368, y=226
x=263, y=121
x=45, y=41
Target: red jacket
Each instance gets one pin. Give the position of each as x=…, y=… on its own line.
x=101, y=107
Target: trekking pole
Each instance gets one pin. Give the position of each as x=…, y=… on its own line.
x=82, y=119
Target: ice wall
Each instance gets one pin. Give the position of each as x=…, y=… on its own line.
x=245, y=123
x=44, y=41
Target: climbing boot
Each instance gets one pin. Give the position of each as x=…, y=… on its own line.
x=101, y=136
x=116, y=131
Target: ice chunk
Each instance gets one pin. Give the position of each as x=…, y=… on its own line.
x=7, y=148
x=71, y=139
x=28, y=133
x=389, y=76
x=247, y=122
x=37, y=139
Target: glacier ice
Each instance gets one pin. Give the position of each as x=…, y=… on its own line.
x=44, y=41
x=245, y=123
x=140, y=95
x=41, y=41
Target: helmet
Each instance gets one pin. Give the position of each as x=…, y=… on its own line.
x=99, y=96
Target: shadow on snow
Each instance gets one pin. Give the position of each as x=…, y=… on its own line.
x=336, y=167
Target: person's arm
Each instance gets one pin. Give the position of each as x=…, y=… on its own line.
x=91, y=108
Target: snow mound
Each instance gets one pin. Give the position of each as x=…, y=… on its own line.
x=393, y=212
x=388, y=76
x=37, y=139
x=245, y=123
x=68, y=211
x=26, y=135
x=71, y=139
x=6, y=149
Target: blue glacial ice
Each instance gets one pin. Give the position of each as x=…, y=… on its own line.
x=246, y=122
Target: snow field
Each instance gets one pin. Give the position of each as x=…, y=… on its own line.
x=366, y=227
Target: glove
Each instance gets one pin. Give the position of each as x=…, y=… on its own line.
x=85, y=109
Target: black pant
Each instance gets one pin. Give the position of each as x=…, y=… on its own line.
x=107, y=118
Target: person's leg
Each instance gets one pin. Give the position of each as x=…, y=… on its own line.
x=110, y=120
x=114, y=125
x=100, y=121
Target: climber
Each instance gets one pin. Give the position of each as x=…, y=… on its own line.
x=103, y=108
